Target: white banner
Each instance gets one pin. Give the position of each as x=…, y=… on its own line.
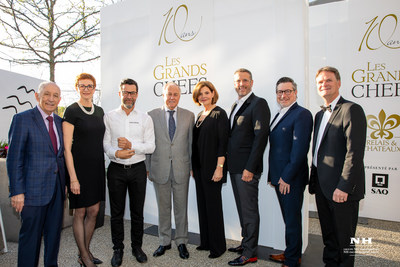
x=187, y=41
x=362, y=39
x=17, y=95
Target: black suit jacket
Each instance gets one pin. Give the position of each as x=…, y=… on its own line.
x=249, y=136
x=340, y=156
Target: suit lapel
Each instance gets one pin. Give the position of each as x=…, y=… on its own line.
x=242, y=109
x=317, y=124
x=335, y=112
x=163, y=122
x=285, y=115
x=38, y=119
x=58, y=122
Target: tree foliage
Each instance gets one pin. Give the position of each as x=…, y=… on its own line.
x=50, y=31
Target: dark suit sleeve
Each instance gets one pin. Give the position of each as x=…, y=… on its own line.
x=17, y=136
x=261, y=116
x=300, y=144
x=355, y=130
x=223, y=133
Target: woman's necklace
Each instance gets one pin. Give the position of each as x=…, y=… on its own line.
x=84, y=110
x=199, y=122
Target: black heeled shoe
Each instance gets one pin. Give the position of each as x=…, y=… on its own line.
x=94, y=259
x=82, y=264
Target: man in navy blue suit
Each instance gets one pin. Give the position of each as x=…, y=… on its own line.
x=288, y=168
x=36, y=171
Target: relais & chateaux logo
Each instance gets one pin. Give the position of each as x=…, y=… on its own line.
x=381, y=137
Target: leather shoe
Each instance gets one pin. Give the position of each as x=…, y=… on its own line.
x=139, y=254
x=117, y=257
x=161, y=250
x=242, y=260
x=214, y=255
x=281, y=258
x=183, y=252
x=239, y=249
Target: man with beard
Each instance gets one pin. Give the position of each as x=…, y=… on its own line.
x=129, y=136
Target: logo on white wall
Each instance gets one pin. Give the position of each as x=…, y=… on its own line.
x=380, y=183
x=381, y=33
x=179, y=25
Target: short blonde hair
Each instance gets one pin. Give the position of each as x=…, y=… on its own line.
x=197, y=88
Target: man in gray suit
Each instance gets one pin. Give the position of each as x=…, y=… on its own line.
x=169, y=168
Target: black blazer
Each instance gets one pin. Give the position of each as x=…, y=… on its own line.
x=249, y=136
x=340, y=156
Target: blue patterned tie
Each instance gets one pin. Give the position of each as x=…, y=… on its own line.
x=171, y=124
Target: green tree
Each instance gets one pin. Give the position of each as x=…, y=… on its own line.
x=50, y=31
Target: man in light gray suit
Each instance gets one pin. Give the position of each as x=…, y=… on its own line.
x=169, y=168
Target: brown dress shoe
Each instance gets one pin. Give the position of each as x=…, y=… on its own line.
x=281, y=258
x=277, y=257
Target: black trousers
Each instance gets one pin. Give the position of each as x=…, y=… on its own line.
x=211, y=217
x=121, y=179
x=338, y=224
x=246, y=198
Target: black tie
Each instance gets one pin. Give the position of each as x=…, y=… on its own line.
x=326, y=108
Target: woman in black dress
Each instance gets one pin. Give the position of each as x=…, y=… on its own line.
x=83, y=130
x=210, y=139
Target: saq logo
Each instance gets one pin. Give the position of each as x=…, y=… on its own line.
x=380, y=183
x=177, y=26
x=381, y=32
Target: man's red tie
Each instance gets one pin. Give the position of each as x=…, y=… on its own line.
x=52, y=133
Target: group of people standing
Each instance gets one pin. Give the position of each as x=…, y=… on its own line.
x=168, y=145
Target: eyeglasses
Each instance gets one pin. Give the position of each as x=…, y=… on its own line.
x=286, y=92
x=87, y=87
x=130, y=93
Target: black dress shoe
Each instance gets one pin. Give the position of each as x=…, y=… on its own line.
x=139, y=254
x=117, y=257
x=183, y=252
x=94, y=259
x=161, y=250
x=214, y=255
x=242, y=260
x=239, y=249
x=202, y=248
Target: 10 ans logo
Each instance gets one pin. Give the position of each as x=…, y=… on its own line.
x=380, y=184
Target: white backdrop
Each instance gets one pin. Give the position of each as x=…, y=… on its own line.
x=362, y=39
x=150, y=42
x=17, y=94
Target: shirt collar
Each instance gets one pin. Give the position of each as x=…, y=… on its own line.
x=44, y=114
x=243, y=99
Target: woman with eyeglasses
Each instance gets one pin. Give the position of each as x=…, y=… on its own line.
x=83, y=129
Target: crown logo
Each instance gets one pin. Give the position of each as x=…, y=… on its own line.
x=382, y=125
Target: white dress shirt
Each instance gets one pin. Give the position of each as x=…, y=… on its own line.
x=137, y=127
x=239, y=104
x=167, y=116
x=282, y=112
x=46, y=122
x=322, y=126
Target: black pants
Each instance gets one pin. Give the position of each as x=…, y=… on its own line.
x=211, y=217
x=338, y=224
x=121, y=179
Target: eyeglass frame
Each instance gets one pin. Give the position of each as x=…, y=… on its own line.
x=88, y=87
x=129, y=93
x=285, y=92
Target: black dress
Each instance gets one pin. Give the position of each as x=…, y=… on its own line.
x=210, y=140
x=88, y=155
